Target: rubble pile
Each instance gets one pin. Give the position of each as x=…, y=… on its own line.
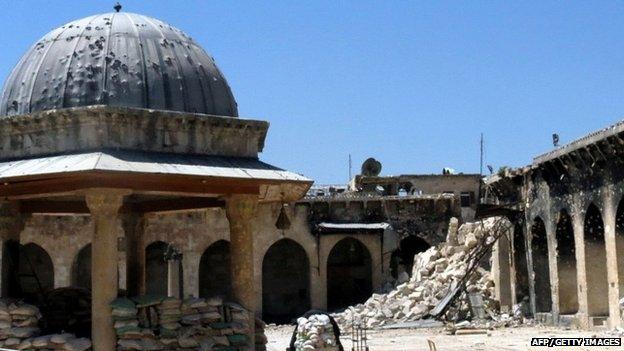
x=19, y=330
x=167, y=323
x=315, y=333
x=434, y=272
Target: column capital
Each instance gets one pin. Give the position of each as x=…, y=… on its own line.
x=105, y=202
x=241, y=206
x=12, y=221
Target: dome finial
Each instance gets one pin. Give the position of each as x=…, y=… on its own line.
x=117, y=7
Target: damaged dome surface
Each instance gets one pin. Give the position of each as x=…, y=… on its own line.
x=117, y=59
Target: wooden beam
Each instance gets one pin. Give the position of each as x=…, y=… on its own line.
x=150, y=206
x=137, y=182
x=53, y=207
x=182, y=204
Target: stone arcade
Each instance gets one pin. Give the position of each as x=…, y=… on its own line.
x=565, y=256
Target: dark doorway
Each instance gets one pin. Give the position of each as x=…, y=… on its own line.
x=596, y=263
x=10, y=262
x=566, y=265
x=404, y=255
x=214, y=271
x=520, y=264
x=349, y=274
x=156, y=269
x=35, y=273
x=81, y=268
x=285, y=282
x=539, y=251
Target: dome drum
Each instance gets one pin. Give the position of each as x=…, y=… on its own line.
x=75, y=130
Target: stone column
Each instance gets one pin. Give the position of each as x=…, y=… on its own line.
x=190, y=273
x=11, y=225
x=240, y=211
x=104, y=205
x=173, y=281
x=134, y=225
x=581, y=278
x=501, y=271
x=608, y=213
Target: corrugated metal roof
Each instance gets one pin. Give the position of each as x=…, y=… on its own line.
x=153, y=163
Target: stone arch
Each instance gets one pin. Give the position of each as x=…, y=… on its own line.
x=156, y=268
x=214, y=271
x=349, y=274
x=566, y=264
x=619, y=244
x=35, y=273
x=404, y=255
x=81, y=268
x=521, y=272
x=541, y=268
x=285, y=282
x=595, y=263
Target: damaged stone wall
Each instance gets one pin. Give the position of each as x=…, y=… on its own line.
x=423, y=216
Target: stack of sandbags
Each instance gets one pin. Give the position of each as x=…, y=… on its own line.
x=20, y=321
x=66, y=342
x=239, y=322
x=190, y=311
x=169, y=315
x=126, y=323
x=24, y=315
x=19, y=330
x=191, y=324
x=315, y=333
x=5, y=319
x=212, y=311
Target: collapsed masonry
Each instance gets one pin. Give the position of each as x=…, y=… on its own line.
x=438, y=273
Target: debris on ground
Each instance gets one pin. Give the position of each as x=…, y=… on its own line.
x=443, y=277
x=166, y=323
x=315, y=333
x=19, y=330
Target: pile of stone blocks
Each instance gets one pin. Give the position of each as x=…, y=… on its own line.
x=19, y=330
x=315, y=333
x=433, y=274
x=167, y=323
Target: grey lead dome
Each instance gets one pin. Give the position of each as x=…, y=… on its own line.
x=117, y=59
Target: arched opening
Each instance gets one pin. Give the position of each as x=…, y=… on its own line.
x=285, y=282
x=81, y=268
x=521, y=272
x=541, y=270
x=10, y=262
x=595, y=263
x=566, y=265
x=619, y=244
x=404, y=255
x=214, y=271
x=156, y=268
x=349, y=274
x=35, y=273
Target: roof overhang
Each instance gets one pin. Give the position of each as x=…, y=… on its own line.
x=149, y=173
